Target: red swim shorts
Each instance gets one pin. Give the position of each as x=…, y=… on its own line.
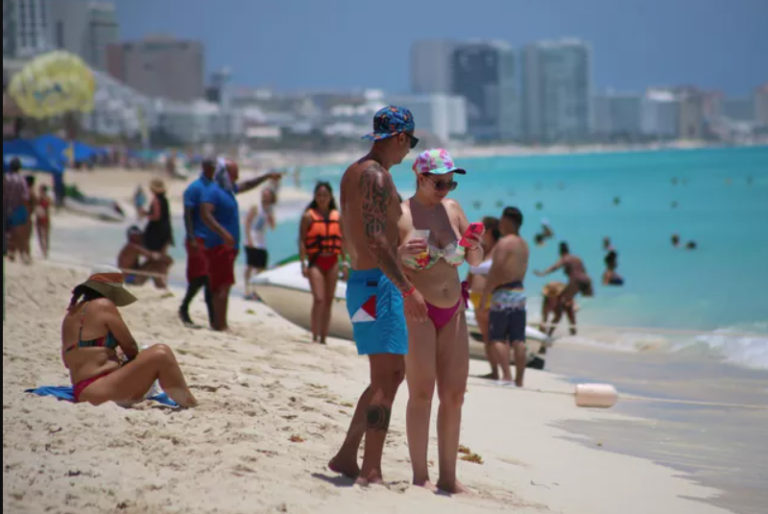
x=221, y=266
x=197, y=262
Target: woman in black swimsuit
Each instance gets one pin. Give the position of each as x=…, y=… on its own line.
x=158, y=234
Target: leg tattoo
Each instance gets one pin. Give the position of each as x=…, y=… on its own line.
x=378, y=417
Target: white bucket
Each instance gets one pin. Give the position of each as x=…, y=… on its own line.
x=595, y=395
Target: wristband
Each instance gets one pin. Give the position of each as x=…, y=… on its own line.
x=409, y=292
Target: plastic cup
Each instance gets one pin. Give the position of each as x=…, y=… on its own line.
x=421, y=234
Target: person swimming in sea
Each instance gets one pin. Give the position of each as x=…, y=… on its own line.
x=610, y=276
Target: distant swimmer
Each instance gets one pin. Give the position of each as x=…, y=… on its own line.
x=607, y=245
x=674, y=181
x=499, y=203
x=610, y=276
x=539, y=206
x=673, y=204
x=616, y=200
x=675, y=240
x=690, y=245
x=477, y=204
x=546, y=233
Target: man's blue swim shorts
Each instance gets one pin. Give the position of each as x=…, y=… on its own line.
x=376, y=310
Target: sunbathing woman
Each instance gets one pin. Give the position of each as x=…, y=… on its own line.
x=91, y=333
x=438, y=347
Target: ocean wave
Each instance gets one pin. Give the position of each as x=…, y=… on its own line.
x=738, y=348
x=742, y=345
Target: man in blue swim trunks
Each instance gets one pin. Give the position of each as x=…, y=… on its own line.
x=379, y=296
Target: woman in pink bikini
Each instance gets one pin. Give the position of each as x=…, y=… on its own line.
x=91, y=332
x=438, y=348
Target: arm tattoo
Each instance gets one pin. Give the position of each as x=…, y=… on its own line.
x=377, y=417
x=376, y=198
x=377, y=194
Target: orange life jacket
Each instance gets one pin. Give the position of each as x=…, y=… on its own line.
x=323, y=235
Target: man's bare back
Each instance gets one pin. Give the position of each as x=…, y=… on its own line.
x=370, y=205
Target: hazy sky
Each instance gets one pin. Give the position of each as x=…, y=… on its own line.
x=339, y=44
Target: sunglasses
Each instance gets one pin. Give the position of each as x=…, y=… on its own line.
x=414, y=140
x=441, y=185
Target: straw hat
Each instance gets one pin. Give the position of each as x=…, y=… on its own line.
x=157, y=186
x=108, y=281
x=553, y=289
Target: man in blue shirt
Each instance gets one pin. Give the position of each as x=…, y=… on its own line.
x=221, y=214
x=197, y=264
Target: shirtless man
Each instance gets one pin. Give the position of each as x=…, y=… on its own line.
x=578, y=280
x=128, y=261
x=504, y=286
x=378, y=293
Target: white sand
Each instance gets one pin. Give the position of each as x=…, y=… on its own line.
x=258, y=386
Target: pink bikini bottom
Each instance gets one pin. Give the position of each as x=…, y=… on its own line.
x=440, y=316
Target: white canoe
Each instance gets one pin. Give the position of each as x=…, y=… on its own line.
x=286, y=291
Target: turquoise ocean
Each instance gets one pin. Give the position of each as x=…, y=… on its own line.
x=715, y=197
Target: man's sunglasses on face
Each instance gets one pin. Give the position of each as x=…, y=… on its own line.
x=414, y=139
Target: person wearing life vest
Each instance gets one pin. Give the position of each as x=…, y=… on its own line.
x=319, y=249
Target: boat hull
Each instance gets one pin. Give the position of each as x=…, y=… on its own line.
x=287, y=292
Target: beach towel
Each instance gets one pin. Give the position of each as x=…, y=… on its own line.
x=66, y=393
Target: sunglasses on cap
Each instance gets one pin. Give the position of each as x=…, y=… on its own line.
x=442, y=185
x=414, y=139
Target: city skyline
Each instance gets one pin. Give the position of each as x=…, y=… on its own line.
x=636, y=45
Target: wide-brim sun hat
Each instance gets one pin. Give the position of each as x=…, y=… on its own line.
x=436, y=161
x=109, y=281
x=157, y=186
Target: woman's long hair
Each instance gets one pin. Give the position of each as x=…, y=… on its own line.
x=313, y=203
x=491, y=225
x=86, y=292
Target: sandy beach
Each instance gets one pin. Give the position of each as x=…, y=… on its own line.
x=273, y=410
x=259, y=387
